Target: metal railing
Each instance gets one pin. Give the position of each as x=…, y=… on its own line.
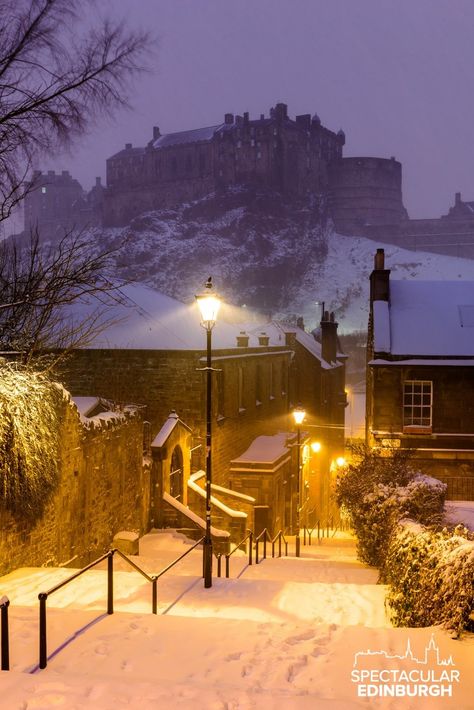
x=279, y=536
x=5, y=638
x=266, y=536
x=249, y=536
x=109, y=556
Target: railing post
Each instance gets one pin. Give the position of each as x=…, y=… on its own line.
x=309, y=536
x=154, y=599
x=256, y=550
x=265, y=545
x=219, y=564
x=286, y=549
x=304, y=535
x=227, y=566
x=250, y=547
x=5, y=636
x=279, y=545
x=110, y=583
x=43, y=654
x=319, y=540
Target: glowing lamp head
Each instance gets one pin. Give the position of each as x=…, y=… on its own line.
x=299, y=415
x=340, y=461
x=315, y=446
x=208, y=303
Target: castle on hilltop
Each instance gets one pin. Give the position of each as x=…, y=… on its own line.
x=297, y=157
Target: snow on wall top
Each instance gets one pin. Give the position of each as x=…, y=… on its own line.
x=428, y=318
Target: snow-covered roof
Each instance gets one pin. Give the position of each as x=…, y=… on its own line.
x=426, y=319
x=168, y=427
x=264, y=450
x=193, y=136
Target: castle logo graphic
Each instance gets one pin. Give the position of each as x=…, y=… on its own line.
x=380, y=674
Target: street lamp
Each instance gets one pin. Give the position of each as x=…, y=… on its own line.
x=208, y=303
x=298, y=415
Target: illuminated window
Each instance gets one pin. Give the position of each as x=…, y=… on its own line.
x=43, y=190
x=417, y=404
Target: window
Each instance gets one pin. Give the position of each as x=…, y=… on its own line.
x=417, y=404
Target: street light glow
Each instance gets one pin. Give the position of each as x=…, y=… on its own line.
x=315, y=446
x=208, y=303
x=299, y=415
x=340, y=461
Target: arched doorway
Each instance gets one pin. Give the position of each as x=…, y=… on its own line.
x=176, y=474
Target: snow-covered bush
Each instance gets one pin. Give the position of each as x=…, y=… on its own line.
x=378, y=492
x=29, y=439
x=431, y=577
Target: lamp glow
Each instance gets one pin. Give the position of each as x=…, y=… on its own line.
x=299, y=415
x=208, y=303
x=340, y=461
x=315, y=446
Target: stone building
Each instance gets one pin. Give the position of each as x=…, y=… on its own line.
x=154, y=357
x=420, y=374
x=289, y=155
x=56, y=203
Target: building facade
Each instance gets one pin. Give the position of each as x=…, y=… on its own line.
x=420, y=375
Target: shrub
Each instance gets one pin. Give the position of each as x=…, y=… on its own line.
x=431, y=577
x=29, y=439
x=378, y=492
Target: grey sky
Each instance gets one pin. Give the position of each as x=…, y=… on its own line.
x=396, y=75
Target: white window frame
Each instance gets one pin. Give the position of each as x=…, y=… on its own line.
x=417, y=405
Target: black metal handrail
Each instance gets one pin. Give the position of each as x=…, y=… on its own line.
x=266, y=536
x=249, y=536
x=5, y=638
x=109, y=556
x=279, y=536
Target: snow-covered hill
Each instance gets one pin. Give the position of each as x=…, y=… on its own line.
x=267, y=254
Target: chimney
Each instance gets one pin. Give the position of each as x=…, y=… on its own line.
x=128, y=146
x=328, y=337
x=263, y=339
x=51, y=173
x=300, y=322
x=246, y=117
x=304, y=121
x=156, y=133
x=290, y=339
x=457, y=198
x=242, y=339
x=262, y=116
x=65, y=173
x=98, y=182
x=229, y=118
x=379, y=278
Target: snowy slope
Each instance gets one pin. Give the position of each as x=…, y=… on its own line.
x=266, y=254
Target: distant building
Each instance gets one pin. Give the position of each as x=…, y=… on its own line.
x=56, y=203
x=420, y=375
x=291, y=156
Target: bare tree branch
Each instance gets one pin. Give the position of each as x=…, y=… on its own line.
x=56, y=81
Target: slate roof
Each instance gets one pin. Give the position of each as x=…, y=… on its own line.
x=194, y=136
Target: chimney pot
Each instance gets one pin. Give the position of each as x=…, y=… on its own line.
x=242, y=339
x=379, y=260
x=156, y=133
x=263, y=339
x=128, y=146
x=229, y=118
x=457, y=198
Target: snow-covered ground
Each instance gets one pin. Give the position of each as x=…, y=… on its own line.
x=283, y=634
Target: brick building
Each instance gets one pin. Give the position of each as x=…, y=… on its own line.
x=420, y=375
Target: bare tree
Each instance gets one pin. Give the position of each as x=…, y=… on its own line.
x=39, y=285
x=57, y=75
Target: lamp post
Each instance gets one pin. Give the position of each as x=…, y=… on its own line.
x=298, y=415
x=208, y=303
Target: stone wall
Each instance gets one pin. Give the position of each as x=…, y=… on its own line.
x=103, y=488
